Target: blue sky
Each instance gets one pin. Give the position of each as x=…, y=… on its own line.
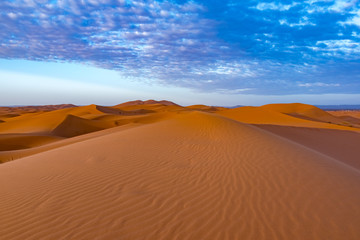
x=215, y=52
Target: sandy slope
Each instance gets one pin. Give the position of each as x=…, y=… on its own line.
x=338, y=144
x=194, y=176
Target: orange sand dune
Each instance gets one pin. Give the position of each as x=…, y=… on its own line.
x=41, y=108
x=153, y=108
x=76, y=121
x=73, y=126
x=267, y=115
x=10, y=112
x=48, y=121
x=150, y=105
x=42, y=121
x=304, y=111
x=148, y=102
x=193, y=176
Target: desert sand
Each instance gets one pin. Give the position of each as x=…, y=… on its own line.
x=158, y=170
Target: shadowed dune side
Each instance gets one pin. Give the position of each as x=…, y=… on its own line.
x=21, y=141
x=195, y=176
x=338, y=144
x=73, y=126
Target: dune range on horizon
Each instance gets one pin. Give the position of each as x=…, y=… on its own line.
x=158, y=170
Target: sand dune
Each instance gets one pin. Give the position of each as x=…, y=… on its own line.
x=29, y=109
x=193, y=176
x=352, y=113
x=46, y=122
x=148, y=102
x=65, y=122
x=204, y=108
x=151, y=105
x=69, y=123
x=272, y=115
x=352, y=117
x=305, y=111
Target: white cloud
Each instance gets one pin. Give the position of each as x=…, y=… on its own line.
x=343, y=48
x=12, y=15
x=233, y=91
x=319, y=84
x=275, y=6
x=341, y=5
x=355, y=20
x=304, y=21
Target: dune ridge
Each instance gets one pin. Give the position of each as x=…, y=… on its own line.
x=147, y=102
x=193, y=176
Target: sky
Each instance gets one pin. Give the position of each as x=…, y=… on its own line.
x=227, y=52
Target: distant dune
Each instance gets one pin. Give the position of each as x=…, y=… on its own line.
x=157, y=170
x=148, y=102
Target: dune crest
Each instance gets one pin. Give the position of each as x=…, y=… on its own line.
x=147, y=102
